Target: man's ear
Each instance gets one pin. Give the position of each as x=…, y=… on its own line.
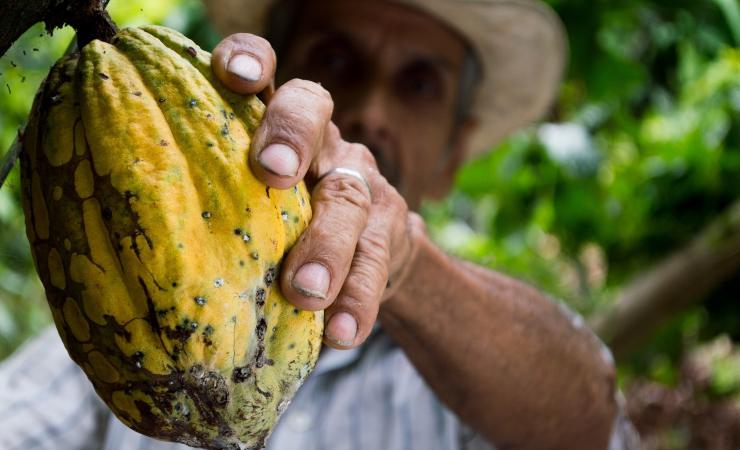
x=459, y=143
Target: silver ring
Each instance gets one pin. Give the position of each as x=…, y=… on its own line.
x=351, y=172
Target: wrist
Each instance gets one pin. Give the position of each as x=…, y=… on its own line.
x=406, y=275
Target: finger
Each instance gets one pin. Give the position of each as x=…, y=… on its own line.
x=244, y=63
x=318, y=263
x=291, y=133
x=350, y=319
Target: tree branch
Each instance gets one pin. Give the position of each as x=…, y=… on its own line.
x=87, y=16
x=679, y=281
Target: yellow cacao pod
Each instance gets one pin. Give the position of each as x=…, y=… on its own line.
x=158, y=248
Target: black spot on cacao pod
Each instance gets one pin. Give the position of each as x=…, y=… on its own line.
x=162, y=99
x=107, y=213
x=270, y=276
x=206, y=215
x=241, y=263
x=238, y=231
x=241, y=374
x=291, y=346
x=191, y=51
x=137, y=93
x=200, y=300
x=182, y=331
x=255, y=256
x=206, y=387
x=208, y=330
x=138, y=358
x=295, y=311
x=260, y=329
x=260, y=297
x=174, y=284
x=267, y=191
x=192, y=103
x=103, y=76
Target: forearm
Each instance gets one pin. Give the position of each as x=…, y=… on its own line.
x=501, y=355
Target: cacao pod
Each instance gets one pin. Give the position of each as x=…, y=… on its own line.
x=158, y=248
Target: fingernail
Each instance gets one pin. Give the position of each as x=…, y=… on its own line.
x=245, y=66
x=312, y=280
x=280, y=159
x=342, y=329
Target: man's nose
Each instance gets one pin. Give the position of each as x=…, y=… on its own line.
x=365, y=117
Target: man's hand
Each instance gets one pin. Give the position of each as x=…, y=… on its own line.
x=359, y=236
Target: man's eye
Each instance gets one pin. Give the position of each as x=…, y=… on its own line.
x=331, y=59
x=421, y=85
x=335, y=61
x=421, y=81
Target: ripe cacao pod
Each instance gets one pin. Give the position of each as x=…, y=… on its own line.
x=158, y=248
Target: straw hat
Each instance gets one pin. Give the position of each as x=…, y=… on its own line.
x=520, y=43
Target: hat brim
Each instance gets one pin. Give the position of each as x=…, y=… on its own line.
x=521, y=45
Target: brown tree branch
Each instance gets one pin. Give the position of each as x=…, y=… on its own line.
x=87, y=16
x=681, y=280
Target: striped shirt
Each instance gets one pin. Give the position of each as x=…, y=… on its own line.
x=368, y=398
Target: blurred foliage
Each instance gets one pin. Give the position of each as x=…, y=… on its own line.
x=641, y=151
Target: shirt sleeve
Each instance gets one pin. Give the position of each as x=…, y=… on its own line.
x=46, y=401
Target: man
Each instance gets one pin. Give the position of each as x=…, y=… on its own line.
x=461, y=357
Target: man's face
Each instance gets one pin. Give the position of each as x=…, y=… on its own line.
x=394, y=75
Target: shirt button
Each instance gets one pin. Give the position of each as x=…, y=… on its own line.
x=300, y=421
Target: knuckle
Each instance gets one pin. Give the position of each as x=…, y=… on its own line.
x=386, y=195
x=367, y=281
x=337, y=189
x=311, y=89
x=329, y=244
x=373, y=248
x=290, y=126
x=363, y=153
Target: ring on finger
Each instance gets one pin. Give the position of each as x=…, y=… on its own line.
x=350, y=172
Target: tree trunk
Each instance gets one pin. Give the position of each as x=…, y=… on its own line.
x=87, y=16
x=681, y=280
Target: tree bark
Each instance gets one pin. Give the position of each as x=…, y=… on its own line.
x=87, y=16
x=681, y=280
